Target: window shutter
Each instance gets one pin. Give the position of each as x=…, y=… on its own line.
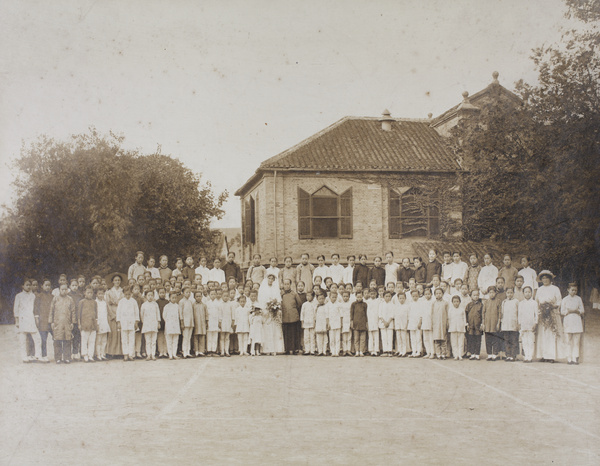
x=394, y=214
x=346, y=214
x=252, y=230
x=247, y=220
x=303, y=214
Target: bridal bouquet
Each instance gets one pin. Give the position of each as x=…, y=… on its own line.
x=548, y=317
x=274, y=309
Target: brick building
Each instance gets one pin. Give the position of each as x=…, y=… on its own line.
x=362, y=184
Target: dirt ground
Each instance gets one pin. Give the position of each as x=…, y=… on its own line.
x=300, y=410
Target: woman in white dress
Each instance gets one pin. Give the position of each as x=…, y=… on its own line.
x=272, y=335
x=549, y=331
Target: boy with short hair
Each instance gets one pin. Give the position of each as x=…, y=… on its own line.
x=307, y=318
x=199, y=346
x=527, y=317
x=61, y=320
x=373, y=322
x=509, y=326
x=345, y=306
x=41, y=311
x=87, y=319
x=150, y=317
x=186, y=316
x=358, y=323
x=491, y=324
x=128, y=316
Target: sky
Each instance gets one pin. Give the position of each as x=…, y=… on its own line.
x=224, y=85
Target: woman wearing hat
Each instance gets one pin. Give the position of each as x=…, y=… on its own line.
x=113, y=296
x=549, y=299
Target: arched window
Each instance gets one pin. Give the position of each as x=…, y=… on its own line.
x=413, y=213
x=324, y=214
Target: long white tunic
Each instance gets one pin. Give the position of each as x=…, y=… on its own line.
x=527, y=315
x=103, y=326
x=23, y=310
x=487, y=277
x=529, y=277
x=572, y=322
x=391, y=272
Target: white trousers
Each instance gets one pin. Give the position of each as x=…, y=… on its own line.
x=387, y=339
x=346, y=342
x=161, y=343
x=37, y=343
x=321, y=336
x=309, y=340
x=428, y=341
x=457, y=340
x=373, y=341
x=527, y=341
x=211, y=341
x=243, y=342
x=128, y=342
x=573, y=340
x=172, y=341
x=334, y=341
x=416, y=341
x=224, y=338
x=88, y=343
x=186, y=344
x=150, y=343
x=402, y=341
x=101, y=340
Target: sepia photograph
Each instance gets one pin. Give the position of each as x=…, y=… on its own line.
x=280, y=232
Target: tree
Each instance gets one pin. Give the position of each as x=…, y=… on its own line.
x=86, y=205
x=535, y=169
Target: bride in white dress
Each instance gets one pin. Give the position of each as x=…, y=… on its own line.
x=272, y=333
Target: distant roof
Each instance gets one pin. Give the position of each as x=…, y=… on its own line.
x=474, y=100
x=360, y=144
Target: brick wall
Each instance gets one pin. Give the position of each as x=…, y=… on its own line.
x=277, y=218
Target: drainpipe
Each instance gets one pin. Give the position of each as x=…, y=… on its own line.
x=275, y=207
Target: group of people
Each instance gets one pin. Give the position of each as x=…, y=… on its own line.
x=414, y=308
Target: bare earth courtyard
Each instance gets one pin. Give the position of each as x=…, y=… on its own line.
x=300, y=410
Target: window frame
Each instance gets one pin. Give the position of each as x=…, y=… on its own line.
x=306, y=214
x=394, y=195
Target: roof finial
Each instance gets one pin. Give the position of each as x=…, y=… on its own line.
x=495, y=75
x=430, y=115
x=465, y=96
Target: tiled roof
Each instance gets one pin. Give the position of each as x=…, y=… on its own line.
x=355, y=143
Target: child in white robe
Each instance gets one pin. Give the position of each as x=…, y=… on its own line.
x=571, y=308
x=527, y=317
x=172, y=326
x=241, y=319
